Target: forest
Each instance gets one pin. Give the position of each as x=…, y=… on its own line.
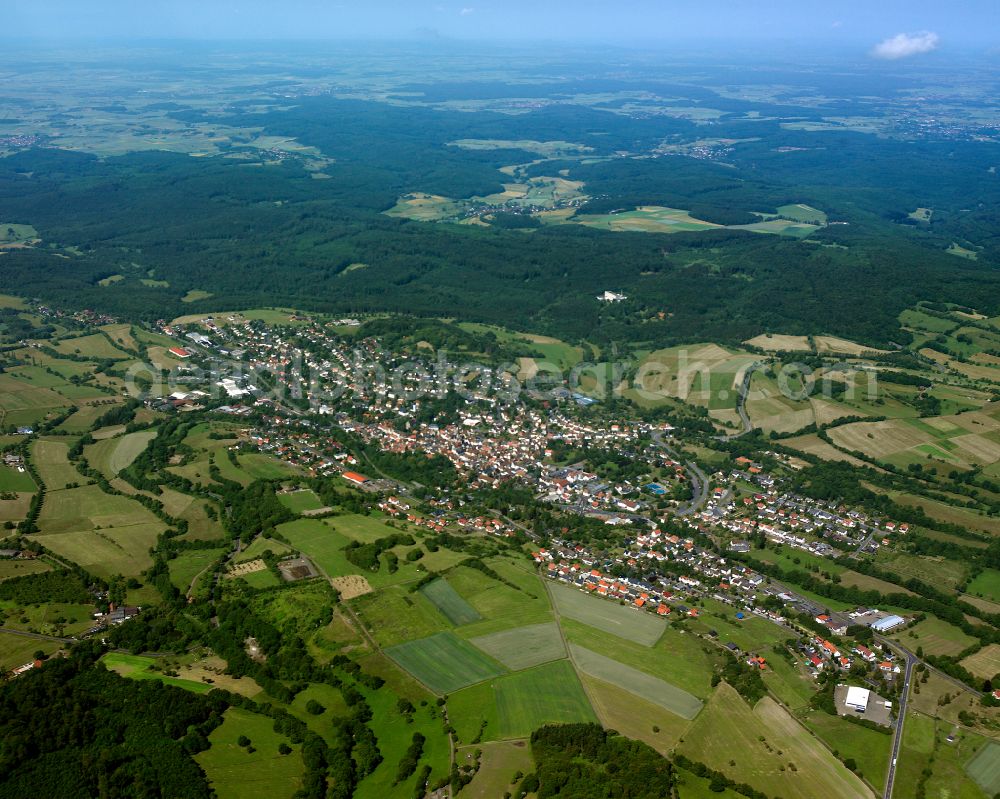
x=277, y=237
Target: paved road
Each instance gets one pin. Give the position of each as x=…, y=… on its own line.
x=741, y=402
x=38, y=636
x=911, y=661
x=699, y=481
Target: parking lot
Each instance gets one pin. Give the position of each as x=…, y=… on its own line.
x=877, y=711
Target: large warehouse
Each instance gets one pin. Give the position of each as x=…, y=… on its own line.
x=857, y=699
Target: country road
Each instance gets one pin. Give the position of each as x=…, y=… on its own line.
x=741, y=402
x=699, y=481
x=911, y=661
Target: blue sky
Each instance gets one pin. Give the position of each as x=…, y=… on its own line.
x=955, y=24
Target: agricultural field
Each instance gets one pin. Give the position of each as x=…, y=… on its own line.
x=961, y=441
x=936, y=637
x=633, y=716
x=984, y=768
x=625, y=622
x=729, y=732
x=678, y=657
x=637, y=682
x=94, y=345
x=547, y=694
x=25, y=403
x=523, y=647
x=933, y=570
x=702, y=374
x=50, y=618
x=49, y=457
x=871, y=750
x=447, y=600
x=112, y=455
x=444, y=662
x=985, y=663
x=501, y=606
x=231, y=768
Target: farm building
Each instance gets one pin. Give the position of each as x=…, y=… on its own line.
x=888, y=623
x=857, y=699
x=354, y=477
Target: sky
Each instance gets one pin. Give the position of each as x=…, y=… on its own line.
x=888, y=29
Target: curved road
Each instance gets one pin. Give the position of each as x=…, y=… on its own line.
x=699, y=481
x=741, y=402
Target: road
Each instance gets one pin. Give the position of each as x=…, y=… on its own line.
x=911, y=661
x=698, y=479
x=37, y=636
x=741, y=402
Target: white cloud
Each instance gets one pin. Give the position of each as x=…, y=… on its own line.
x=466, y=11
x=904, y=45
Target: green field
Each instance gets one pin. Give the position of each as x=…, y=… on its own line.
x=18, y=568
x=450, y=603
x=13, y=480
x=137, y=667
x=757, y=745
x=643, y=685
x=299, y=501
x=936, y=637
x=394, y=615
x=625, y=622
x=499, y=762
x=547, y=694
x=871, y=750
x=232, y=771
x=678, y=658
x=984, y=768
x=94, y=345
x=444, y=662
x=49, y=457
x=189, y=563
x=501, y=606
x=523, y=647
x=259, y=546
x=16, y=650
x=112, y=455
x=986, y=584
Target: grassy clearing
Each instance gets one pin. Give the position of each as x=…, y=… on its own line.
x=189, y=563
x=299, y=501
x=523, y=647
x=19, y=568
x=322, y=543
x=986, y=584
x=643, y=685
x=112, y=455
x=625, y=622
x=94, y=346
x=447, y=600
x=444, y=662
x=931, y=570
x=547, y=694
x=789, y=683
x=394, y=615
x=232, y=770
x=259, y=546
x=137, y=667
x=742, y=743
x=499, y=762
x=106, y=552
x=50, y=618
x=16, y=651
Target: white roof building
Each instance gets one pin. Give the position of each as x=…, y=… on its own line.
x=857, y=699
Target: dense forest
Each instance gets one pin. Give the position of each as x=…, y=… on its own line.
x=276, y=236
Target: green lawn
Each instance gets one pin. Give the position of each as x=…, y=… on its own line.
x=394, y=615
x=984, y=768
x=137, y=667
x=259, y=546
x=444, y=662
x=987, y=584
x=871, y=750
x=235, y=773
x=189, y=563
